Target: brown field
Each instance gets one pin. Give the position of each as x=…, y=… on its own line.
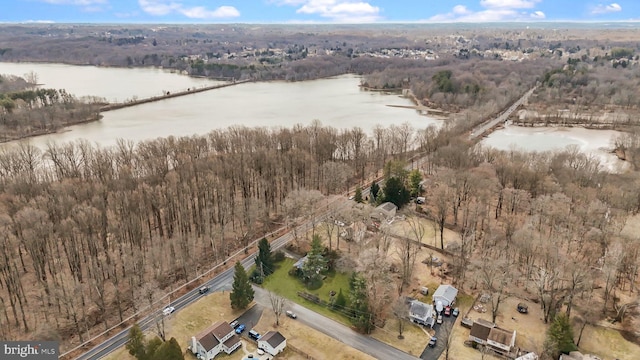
x=415, y=337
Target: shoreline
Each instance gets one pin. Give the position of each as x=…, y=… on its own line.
x=62, y=129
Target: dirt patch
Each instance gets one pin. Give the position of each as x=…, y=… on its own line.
x=431, y=234
x=313, y=343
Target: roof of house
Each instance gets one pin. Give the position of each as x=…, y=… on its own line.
x=210, y=337
x=500, y=336
x=273, y=338
x=420, y=309
x=446, y=291
x=388, y=206
x=481, y=329
x=232, y=341
x=300, y=262
x=529, y=356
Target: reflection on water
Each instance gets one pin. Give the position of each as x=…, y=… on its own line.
x=596, y=142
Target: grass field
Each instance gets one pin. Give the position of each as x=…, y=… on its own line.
x=280, y=282
x=608, y=344
x=415, y=338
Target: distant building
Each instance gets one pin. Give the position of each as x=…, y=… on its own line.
x=272, y=342
x=446, y=294
x=421, y=313
x=219, y=337
x=385, y=211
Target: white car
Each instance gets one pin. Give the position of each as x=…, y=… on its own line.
x=168, y=310
x=260, y=351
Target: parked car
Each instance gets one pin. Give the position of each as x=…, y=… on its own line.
x=447, y=311
x=291, y=314
x=439, y=320
x=455, y=312
x=240, y=329
x=432, y=342
x=260, y=351
x=234, y=324
x=254, y=334
x=168, y=310
x=203, y=289
x=523, y=308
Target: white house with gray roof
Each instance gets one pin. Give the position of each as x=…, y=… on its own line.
x=421, y=313
x=446, y=294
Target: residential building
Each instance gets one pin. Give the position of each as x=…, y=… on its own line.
x=445, y=294
x=421, y=313
x=272, y=342
x=385, y=211
x=219, y=337
x=497, y=339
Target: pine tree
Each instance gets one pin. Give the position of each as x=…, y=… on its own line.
x=375, y=189
x=264, y=260
x=361, y=316
x=136, y=343
x=169, y=350
x=242, y=294
x=316, y=264
x=341, y=301
x=560, y=336
x=396, y=192
x=358, y=196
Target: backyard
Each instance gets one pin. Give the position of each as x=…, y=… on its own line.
x=287, y=286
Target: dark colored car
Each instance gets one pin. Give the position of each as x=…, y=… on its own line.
x=447, y=311
x=254, y=334
x=240, y=329
x=432, y=342
x=455, y=312
x=523, y=308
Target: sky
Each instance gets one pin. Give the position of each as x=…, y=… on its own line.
x=315, y=11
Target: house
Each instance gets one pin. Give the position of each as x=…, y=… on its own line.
x=272, y=342
x=219, y=337
x=421, y=313
x=497, y=339
x=577, y=355
x=300, y=263
x=384, y=211
x=528, y=356
x=446, y=294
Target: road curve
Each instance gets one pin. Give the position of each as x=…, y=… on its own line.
x=478, y=131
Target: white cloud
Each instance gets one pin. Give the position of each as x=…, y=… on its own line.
x=509, y=4
x=494, y=11
x=163, y=7
x=76, y=2
x=604, y=9
x=344, y=11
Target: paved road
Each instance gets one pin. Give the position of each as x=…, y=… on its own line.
x=442, y=331
x=334, y=329
x=502, y=117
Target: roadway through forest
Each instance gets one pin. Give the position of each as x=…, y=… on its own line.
x=483, y=128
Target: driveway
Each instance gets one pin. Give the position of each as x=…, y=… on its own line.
x=440, y=329
x=250, y=318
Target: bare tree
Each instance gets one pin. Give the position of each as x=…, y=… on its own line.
x=277, y=305
x=407, y=251
x=401, y=313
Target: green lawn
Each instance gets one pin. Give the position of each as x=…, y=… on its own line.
x=280, y=282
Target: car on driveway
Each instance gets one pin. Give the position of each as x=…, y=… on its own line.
x=260, y=351
x=254, y=334
x=439, y=321
x=240, y=329
x=447, y=311
x=291, y=314
x=432, y=342
x=455, y=312
x=168, y=310
x=234, y=324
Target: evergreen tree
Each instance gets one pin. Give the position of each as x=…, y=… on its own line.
x=316, y=264
x=242, y=294
x=358, y=195
x=264, y=259
x=414, y=182
x=169, y=350
x=136, y=343
x=361, y=315
x=396, y=192
x=375, y=189
x=560, y=337
x=152, y=347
